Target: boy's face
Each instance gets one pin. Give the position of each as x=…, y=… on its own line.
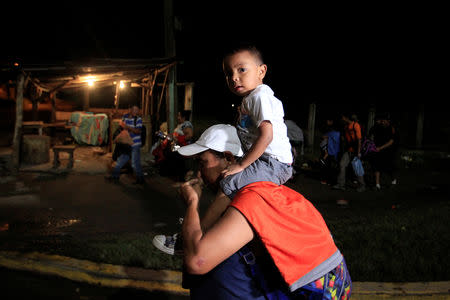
x=243, y=72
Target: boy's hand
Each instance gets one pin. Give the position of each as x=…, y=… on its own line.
x=232, y=169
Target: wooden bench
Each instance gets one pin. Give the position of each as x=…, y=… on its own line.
x=64, y=148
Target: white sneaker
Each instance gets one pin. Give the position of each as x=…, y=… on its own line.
x=378, y=187
x=394, y=182
x=165, y=243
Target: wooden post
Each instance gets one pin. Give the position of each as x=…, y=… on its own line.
x=143, y=101
x=170, y=51
x=117, y=96
x=171, y=101
x=53, y=101
x=311, y=125
x=163, y=90
x=19, y=118
x=420, y=122
x=188, y=97
x=110, y=132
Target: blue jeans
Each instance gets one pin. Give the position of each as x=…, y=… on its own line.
x=264, y=168
x=135, y=162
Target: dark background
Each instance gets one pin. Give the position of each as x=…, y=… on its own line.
x=343, y=57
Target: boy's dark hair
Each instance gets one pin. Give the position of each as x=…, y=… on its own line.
x=186, y=114
x=244, y=47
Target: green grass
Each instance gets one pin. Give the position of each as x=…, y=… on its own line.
x=379, y=244
x=130, y=249
x=397, y=245
x=124, y=249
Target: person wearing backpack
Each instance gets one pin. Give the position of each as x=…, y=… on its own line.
x=132, y=123
x=352, y=149
x=330, y=148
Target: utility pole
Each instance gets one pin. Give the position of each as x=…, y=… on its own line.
x=311, y=125
x=170, y=51
x=19, y=118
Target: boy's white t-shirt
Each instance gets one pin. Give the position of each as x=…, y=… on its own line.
x=261, y=105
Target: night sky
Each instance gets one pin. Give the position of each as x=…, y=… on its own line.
x=346, y=54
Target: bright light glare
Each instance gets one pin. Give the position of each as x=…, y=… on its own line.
x=90, y=80
x=122, y=85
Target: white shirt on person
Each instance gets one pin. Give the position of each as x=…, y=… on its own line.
x=261, y=105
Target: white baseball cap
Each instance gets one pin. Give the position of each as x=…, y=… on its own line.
x=220, y=137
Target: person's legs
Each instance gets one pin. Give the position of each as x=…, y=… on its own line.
x=136, y=163
x=263, y=169
x=330, y=170
x=343, y=164
x=121, y=161
x=377, y=179
x=336, y=284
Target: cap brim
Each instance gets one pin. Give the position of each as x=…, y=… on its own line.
x=191, y=149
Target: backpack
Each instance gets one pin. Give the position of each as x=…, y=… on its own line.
x=367, y=146
x=119, y=149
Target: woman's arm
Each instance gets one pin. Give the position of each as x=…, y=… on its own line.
x=204, y=251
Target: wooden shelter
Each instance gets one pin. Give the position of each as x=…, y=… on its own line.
x=144, y=73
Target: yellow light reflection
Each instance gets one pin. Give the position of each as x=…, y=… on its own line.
x=90, y=80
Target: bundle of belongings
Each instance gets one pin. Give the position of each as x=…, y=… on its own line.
x=89, y=128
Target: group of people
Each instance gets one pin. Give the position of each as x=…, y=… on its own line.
x=258, y=239
x=342, y=146
x=167, y=159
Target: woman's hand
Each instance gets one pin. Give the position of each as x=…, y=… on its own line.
x=191, y=190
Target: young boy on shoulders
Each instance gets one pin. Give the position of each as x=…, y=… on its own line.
x=261, y=127
x=262, y=132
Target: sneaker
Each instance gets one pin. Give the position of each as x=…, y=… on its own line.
x=338, y=187
x=165, y=243
x=394, y=182
x=378, y=187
